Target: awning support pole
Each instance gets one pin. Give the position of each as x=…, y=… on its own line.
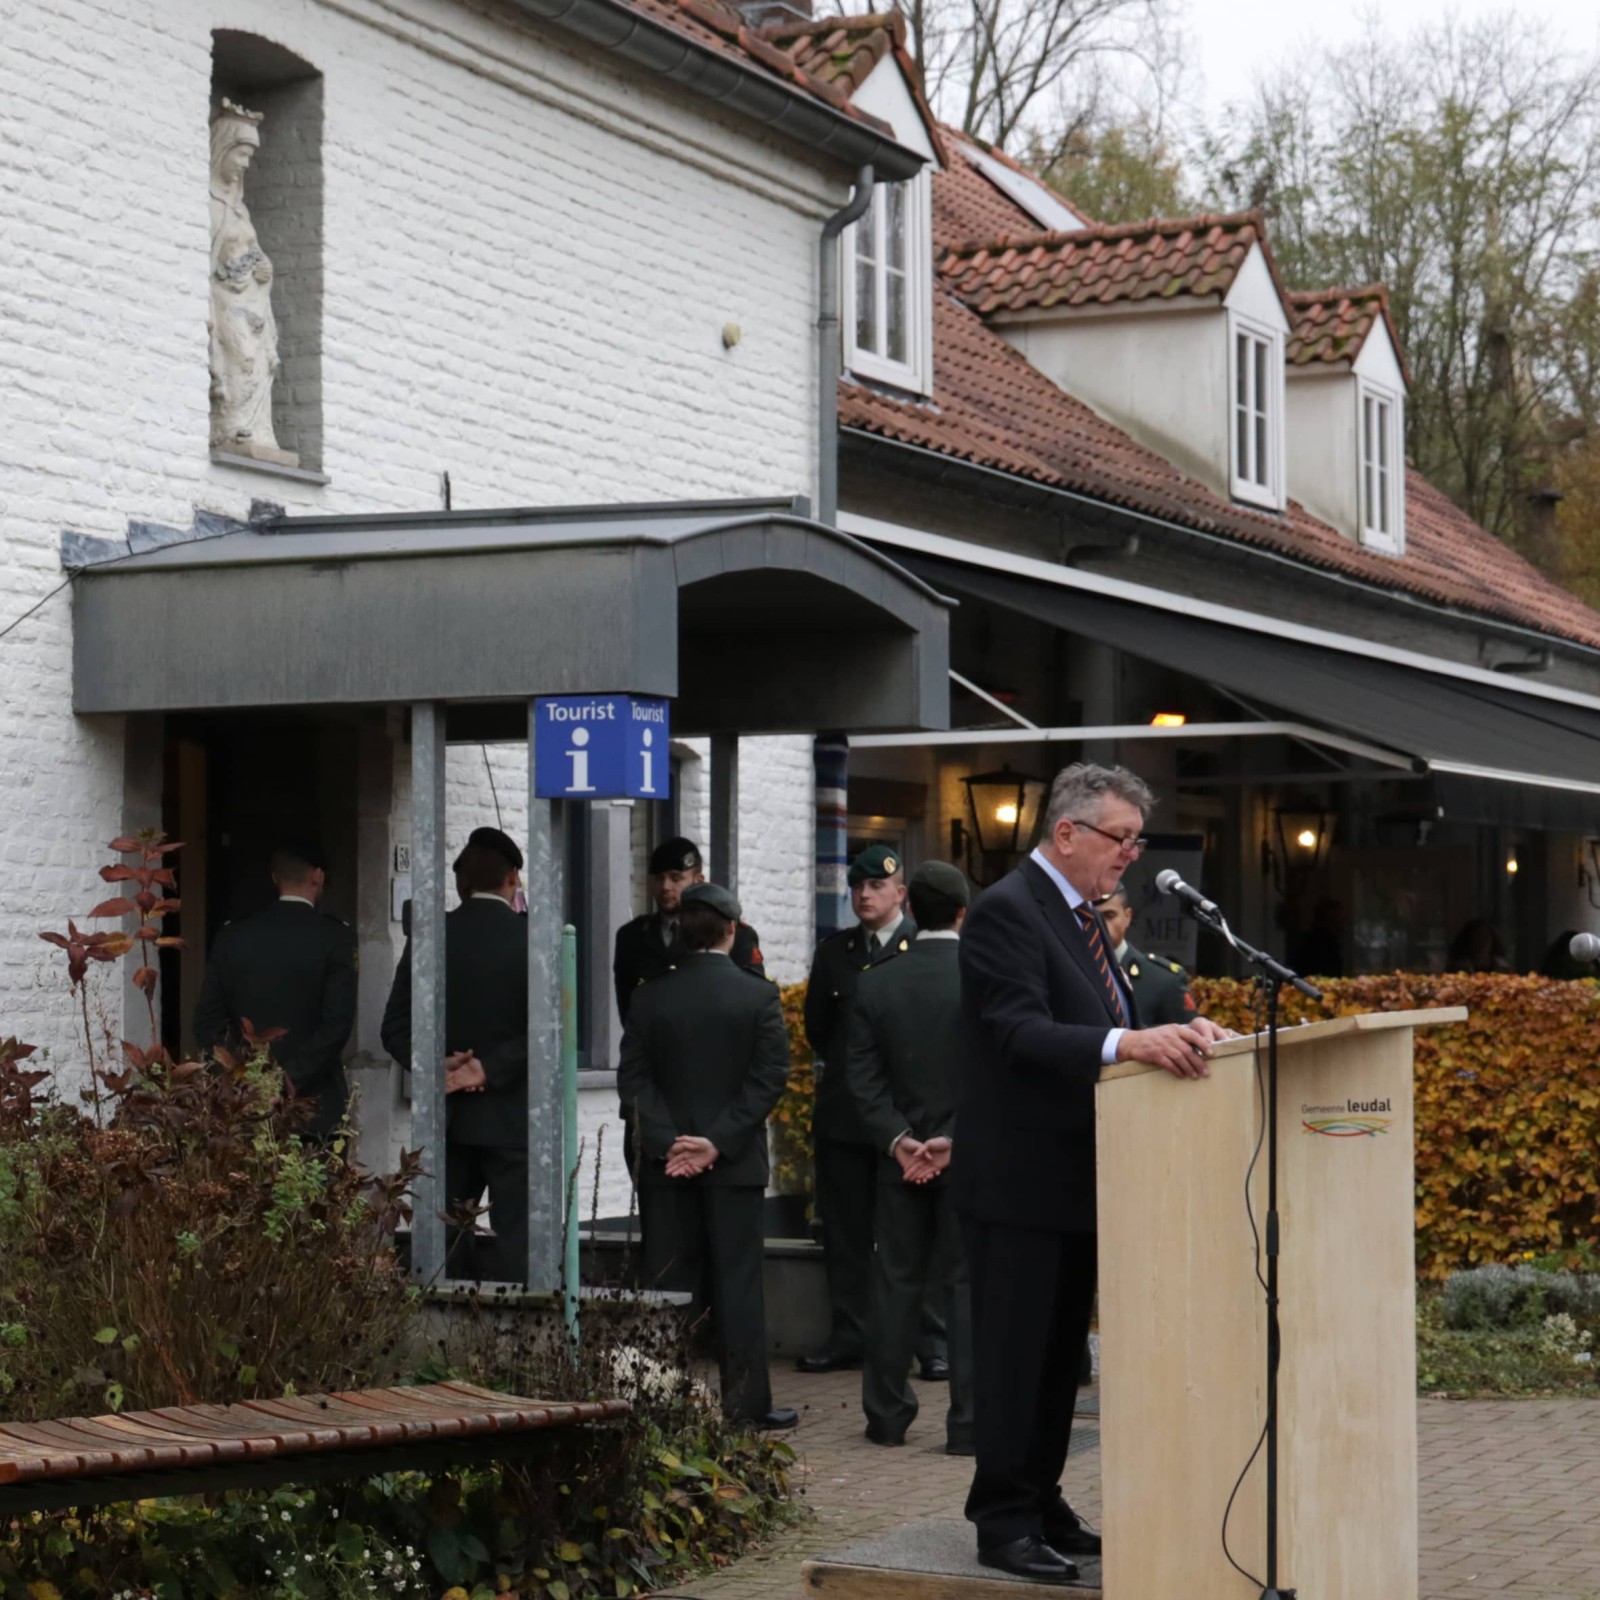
x=546, y=879
x=725, y=810
x=427, y=986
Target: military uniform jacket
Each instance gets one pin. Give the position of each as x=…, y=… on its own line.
x=642, y=954
x=904, y=1061
x=706, y=1053
x=1160, y=986
x=293, y=967
x=485, y=1011
x=835, y=970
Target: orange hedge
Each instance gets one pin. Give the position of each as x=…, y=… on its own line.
x=1507, y=1103
x=1508, y=1107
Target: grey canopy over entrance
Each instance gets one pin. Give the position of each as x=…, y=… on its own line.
x=751, y=617
x=1495, y=755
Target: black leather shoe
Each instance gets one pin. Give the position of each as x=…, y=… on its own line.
x=1067, y=1532
x=935, y=1370
x=826, y=1361
x=883, y=1437
x=1028, y=1557
x=778, y=1417
x=960, y=1447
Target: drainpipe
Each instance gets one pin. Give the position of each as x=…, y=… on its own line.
x=828, y=347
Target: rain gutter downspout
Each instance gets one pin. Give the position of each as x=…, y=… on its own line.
x=828, y=357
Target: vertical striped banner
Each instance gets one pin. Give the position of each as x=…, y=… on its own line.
x=830, y=756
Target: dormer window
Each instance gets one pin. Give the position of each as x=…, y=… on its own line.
x=1257, y=432
x=1382, y=497
x=890, y=289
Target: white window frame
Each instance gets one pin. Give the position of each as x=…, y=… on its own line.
x=1380, y=483
x=1245, y=478
x=915, y=373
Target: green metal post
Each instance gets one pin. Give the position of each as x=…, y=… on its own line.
x=569, y=1119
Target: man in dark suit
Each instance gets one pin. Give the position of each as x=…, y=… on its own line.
x=486, y=1059
x=704, y=1060
x=1044, y=1007
x=904, y=1068
x=293, y=967
x=1160, y=987
x=846, y=1162
x=652, y=945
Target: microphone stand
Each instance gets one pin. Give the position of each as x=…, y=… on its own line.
x=1271, y=974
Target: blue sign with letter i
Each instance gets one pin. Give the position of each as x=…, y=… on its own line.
x=601, y=747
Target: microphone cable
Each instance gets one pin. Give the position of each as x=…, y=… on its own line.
x=1259, y=1018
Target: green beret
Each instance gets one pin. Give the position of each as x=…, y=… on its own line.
x=876, y=861
x=942, y=878
x=720, y=900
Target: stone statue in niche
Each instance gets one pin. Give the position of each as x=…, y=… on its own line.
x=244, y=332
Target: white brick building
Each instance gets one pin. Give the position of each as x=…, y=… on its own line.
x=513, y=268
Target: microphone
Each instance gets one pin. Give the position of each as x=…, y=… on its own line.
x=1584, y=947
x=1169, y=882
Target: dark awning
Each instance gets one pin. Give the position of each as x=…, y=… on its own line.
x=753, y=617
x=1497, y=754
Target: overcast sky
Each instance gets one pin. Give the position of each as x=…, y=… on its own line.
x=1232, y=41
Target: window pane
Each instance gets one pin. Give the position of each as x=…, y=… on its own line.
x=1369, y=466
x=1241, y=406
x=1262, y=474
x=894, y=227
x=866, y=232
x=894, y=290
x=866, y=306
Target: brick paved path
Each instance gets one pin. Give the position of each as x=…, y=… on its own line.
x=1510, y=1500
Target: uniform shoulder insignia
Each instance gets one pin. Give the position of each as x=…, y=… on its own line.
x=1173, y=966
x=1133, y=969
x=905, y=944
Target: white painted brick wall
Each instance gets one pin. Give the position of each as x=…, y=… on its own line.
x=529, y=261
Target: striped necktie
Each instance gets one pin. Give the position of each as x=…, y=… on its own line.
x=1102, y=959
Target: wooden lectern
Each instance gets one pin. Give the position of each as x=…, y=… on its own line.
x=1183, y=1318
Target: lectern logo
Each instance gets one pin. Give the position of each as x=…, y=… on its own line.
x=1355, y=1119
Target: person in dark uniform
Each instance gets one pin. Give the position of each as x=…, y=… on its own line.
x=652, y=945
x=846, y=1159
x=904, y=1068
x=1044, y=1008
x=705, y=1058
x=293, y=967
x=1160, y=987
x=486, y=1059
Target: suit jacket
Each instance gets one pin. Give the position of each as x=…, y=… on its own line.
x=1035, y=1014
x=641, y=954
x=485, y=1011
x=836, y=968
x=904, y=1062
x=706, y=1053
x=287, y=966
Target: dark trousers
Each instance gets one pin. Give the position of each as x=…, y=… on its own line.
x=469, y=1169
x=699, y=1234
x=1032, y=1295
x=847, y=1192
x=919, y=1253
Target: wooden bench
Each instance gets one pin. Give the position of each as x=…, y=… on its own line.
x=82, y=1461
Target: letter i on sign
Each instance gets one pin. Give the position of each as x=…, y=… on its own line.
x=580, y=763
x=648, y=785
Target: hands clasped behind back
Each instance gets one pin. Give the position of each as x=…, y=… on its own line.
x=1181, y=1048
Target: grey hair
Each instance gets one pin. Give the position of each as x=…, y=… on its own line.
x=1081, y=791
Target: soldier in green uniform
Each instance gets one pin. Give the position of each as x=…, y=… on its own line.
x=1160, y=987
x=904, y=1069
x=652, y=945
x=293, y=967
x=846, y=1159
x=704, y=1060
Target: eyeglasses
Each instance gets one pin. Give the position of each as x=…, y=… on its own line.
x=1133, y=848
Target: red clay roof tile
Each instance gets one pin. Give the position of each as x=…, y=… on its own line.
x=1330, y=326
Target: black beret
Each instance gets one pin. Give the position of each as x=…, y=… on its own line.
x=720, y=900
x=876, y=861
x=492, y=839
x=675, y=855
x=942, y=878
